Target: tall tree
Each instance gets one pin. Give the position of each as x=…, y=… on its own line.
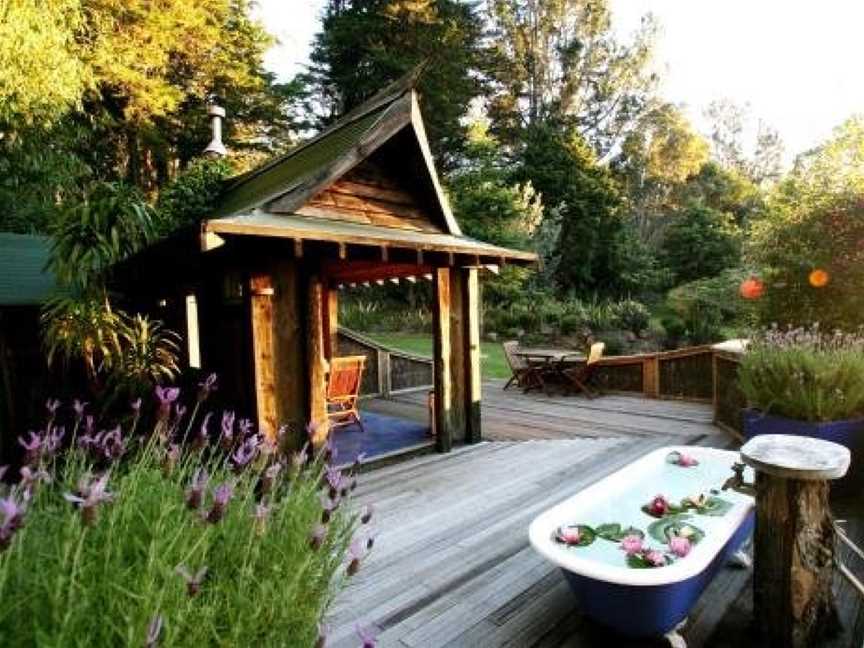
x=660, y=154
x=364, y=44
x=560, y=60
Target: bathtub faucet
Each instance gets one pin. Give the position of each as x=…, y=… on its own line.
x=736, y=481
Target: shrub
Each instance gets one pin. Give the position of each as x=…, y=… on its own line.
x=229, y=542
x=192, y=194
x=805, y=374
x=632, y=315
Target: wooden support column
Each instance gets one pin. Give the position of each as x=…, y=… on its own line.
x=441, y=355
x=473, y=307
x=277, y=348
x=331, y=324
x=651, y=376
x=794, y=541
x=465, y=354
x=317, y=365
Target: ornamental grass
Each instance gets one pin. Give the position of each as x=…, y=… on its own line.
x=805, y=374
x=180, y=537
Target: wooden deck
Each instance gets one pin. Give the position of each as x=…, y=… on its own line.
x=452, y=565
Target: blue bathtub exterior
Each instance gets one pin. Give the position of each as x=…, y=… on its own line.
x=645, y=611
x=849, y=434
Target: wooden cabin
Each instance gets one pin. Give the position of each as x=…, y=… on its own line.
x=256, y=286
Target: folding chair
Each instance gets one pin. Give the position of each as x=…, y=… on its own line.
x=579, y=377
x=525, y=375
x=343, y=390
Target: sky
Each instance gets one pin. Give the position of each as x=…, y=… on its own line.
x=794, y=63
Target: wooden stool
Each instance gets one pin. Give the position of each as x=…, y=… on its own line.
x=794, y=539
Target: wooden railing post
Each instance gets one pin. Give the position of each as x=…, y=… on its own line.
x=385, y=383
x=316, y=359
x=651, y=376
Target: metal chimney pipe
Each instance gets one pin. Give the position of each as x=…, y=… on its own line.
x=216, y=148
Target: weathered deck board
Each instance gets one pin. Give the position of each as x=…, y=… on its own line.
x=452, y=565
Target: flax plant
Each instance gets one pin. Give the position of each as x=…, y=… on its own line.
x=805, y=374
x=117, y=551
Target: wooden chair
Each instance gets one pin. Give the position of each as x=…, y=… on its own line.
x=343, y=390
x=525, y=375
x=579, y=377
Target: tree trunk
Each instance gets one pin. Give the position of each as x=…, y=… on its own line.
x=794, y=551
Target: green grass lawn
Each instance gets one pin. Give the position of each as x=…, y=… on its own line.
x=493, y=364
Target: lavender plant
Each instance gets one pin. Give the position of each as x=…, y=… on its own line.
x=100, y=545
x=805, y=374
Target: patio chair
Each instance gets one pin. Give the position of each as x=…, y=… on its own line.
x=580, y=377
x=525, y=375
x=343, y=390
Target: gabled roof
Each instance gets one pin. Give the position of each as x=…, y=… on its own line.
x=24, y=281
x=273, y=200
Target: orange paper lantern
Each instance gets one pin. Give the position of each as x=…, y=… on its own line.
x=819, y=278
x=752, y=288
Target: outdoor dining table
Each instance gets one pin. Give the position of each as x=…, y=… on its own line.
x=549, y=364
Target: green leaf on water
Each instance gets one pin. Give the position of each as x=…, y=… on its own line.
x=677, y=525
x=614, y=532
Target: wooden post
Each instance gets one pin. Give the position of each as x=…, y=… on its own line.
x=441, y=359
x=289, y=352
x=651, y=376
x=458, y=351
x=331, y=324
x=277, y=348
x=471, y=356
x=794, y=541
x=317, y=365
x=261, y=293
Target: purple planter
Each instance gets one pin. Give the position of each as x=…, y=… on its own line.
x=848, y=433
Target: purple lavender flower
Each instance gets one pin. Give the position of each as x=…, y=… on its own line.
x=112, y=445
x=179, y=413
x=366, y=514
x=268, y=479
x=170, y=459
x=316, y=538
x=221, y=496
x=166, y=397
x=298, y=459
x=245, y=426
x=90, y=495
x=195, y=492
x=328, y=506
x=203, y=437
x=33, y=447
x=154, y=630
x=193, y=581
x=79, y=406
x=135, y=406
x=368, y=636
x=53, y=439
x=245, y=453
x=89, y=424
x=13, y=519
x=30, y=478
x=226, y=439
x=52, y=404
x=335, y=481
x=205, y=388
x=356, y=553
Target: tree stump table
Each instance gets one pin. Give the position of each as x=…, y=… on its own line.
x=794, y=539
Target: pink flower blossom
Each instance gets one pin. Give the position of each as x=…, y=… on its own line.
x=659, y=506
x=570, y=535
x=631, y=544
x=686, y=461
x=680, y=546
x=656, y=558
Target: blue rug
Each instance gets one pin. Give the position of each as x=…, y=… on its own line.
x=383, y=434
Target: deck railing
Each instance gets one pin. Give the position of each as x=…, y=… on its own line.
x=704, y=374
x=388, y=370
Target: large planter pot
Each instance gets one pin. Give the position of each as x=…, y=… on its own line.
x=849, y=433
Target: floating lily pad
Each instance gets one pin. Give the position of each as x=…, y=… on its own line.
x=614, y=532
x=716, y=507
x=640, y=561
x=586, y=535
x=671, y=509
x=664, y=529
